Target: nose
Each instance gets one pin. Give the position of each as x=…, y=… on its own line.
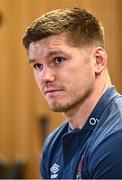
x=47, y=75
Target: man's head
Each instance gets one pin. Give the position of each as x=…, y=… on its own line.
x=80, y=26
x=65, y=50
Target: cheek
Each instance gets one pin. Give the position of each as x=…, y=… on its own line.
x=86, y=75
x=36, y=76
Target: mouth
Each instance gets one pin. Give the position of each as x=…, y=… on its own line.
x=52, y=92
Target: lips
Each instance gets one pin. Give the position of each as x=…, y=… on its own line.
x=52, y=91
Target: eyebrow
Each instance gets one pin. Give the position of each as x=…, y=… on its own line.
x=31, y=61
x=49, y=54
x=53, y=53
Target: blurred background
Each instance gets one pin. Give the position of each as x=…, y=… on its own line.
x=25, y=119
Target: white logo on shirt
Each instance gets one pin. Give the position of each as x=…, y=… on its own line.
x=93, y=121
x=54, y=169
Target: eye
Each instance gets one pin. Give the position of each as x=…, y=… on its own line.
x=59, y=60
x=38, y=66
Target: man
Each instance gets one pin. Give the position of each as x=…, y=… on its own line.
x=66, y=51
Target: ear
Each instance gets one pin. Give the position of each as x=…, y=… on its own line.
x=100, y=60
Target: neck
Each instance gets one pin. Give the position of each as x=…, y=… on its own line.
x=77, y=116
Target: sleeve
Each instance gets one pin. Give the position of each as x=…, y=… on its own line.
x=105, y=161
x=45, y=158
x=46, y=155
x=44, y=164
x=48, y=149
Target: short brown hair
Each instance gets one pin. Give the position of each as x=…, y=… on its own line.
x=81, y=26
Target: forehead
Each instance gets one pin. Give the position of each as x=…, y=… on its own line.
x=46, y=45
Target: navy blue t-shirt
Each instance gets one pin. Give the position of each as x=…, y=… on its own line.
x=93, y=152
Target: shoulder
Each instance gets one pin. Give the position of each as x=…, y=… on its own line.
x=110, y=123
x=117, y=103
x=51, y=141
x=109, y=128
x=48, y=148
x=55, y=135
x=104, y=157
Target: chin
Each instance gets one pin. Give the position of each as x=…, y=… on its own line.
x=57, y=109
